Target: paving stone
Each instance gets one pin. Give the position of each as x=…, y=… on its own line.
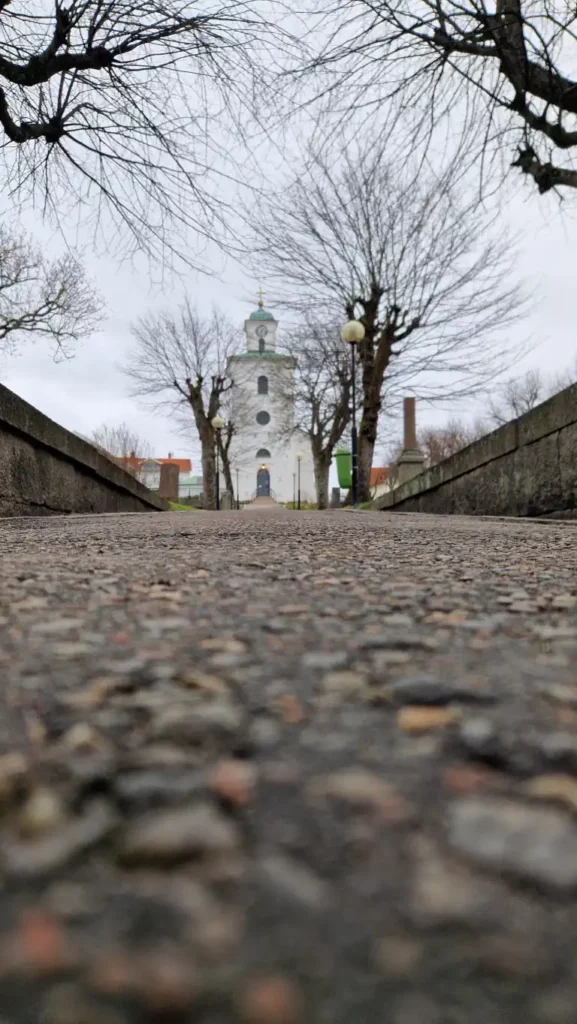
x=421, y=719
x=244, y=776
x=46, y=854
x=430, y=691
x=216, y=723
x=357, y=788
x=273, y=1000
x=141, y=790
x=534, y=844
x=294, y=880
x=42, y=812
x=172, y=836
x=325, y=659
x=559, y=749
x=480, y=739
x=560, y=789
x=446, y=893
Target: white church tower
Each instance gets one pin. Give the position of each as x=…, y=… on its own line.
x=265, y=449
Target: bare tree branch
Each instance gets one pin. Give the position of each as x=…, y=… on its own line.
x=394, y=246
x=123, y=113
x=180, y=363
x=518, y=395
x=121, y=442
x=41, y=298
x=503, y=73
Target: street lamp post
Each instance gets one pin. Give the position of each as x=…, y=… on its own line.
x=294, y=490
x=352, y=334
x=237, y=489
x=299, y=460
x=217, y=424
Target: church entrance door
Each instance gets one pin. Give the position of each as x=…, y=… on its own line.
x=263, y=483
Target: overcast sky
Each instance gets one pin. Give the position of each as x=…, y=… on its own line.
x=91, y=389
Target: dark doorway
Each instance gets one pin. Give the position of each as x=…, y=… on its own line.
x=263, y=483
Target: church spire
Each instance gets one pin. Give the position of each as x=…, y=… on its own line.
x=260, y=328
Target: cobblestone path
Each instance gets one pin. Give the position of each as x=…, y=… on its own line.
x=288, y=768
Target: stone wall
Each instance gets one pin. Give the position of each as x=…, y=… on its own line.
x=528, y=467
x=46, y=470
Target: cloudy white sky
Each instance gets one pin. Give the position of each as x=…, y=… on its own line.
x=91, y=389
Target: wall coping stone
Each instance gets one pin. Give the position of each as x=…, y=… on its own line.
x=549, y=417
x=19, y=417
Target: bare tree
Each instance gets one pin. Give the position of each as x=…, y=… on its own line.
x=439, y=443
x=121, y=442
x=319, y=394
x=432, y=284
x=43, y=299
x=518, y=395
x=504, y=71
x=122, y=111
x=180, y=362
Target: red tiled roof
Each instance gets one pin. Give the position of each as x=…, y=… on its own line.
x=129, y=462
x=184, y=465
x=379, y=475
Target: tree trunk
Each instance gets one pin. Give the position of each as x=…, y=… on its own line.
x=322, y=469
x=371, y=407
x=227, y=473
x=375, y=358
x=366, y=450
x=207, y=437
x=224, y=449
x=208, y=472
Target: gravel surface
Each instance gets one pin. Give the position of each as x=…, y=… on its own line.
x=288, y=768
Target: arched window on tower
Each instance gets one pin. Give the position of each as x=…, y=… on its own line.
x=263, y=385
x=263, y=453
x=261, y=346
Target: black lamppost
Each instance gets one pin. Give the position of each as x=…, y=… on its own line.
x=299, y=460
x=352, y=334
x=294, y=490
x=237, y=489
x=218, y=424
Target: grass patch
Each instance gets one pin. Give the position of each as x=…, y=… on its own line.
x=175, y=507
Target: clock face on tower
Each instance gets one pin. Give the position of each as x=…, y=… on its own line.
x=262, y=331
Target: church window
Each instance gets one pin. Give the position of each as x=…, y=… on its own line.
x=261, y=346
x=263, y=418
x=263, y=385
x=263, y=453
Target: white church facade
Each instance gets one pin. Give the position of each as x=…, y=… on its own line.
x=267, y=455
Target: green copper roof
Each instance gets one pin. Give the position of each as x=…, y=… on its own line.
x=261, y=314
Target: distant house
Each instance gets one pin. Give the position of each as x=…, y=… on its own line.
x=148, y=472
x=189, y=486
x=380, y=481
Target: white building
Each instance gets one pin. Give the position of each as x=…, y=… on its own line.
x=265, y=448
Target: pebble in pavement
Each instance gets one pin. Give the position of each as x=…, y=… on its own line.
x=286, y=768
